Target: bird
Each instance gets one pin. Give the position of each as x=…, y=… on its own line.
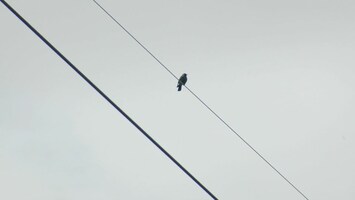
x=182, y=81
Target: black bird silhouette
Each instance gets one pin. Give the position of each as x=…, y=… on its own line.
x=182, y=81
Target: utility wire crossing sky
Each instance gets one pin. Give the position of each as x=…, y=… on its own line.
x=108, y=99
x=213, y=112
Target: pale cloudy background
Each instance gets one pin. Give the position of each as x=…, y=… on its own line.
x=280, y=72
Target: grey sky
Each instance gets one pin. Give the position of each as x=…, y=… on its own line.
x=280, y=72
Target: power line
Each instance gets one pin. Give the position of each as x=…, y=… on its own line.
x=198, y=98
x=150, y=53
x=108, y=99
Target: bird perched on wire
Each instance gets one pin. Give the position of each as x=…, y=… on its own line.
x=182, y=81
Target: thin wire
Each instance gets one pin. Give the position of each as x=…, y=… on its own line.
x=136, y=40
x=213, y=112
x=251, y=147
x=108, y=99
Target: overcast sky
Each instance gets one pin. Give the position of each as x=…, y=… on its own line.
x=281, y=73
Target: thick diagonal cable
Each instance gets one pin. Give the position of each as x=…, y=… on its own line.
x=108, y=99
x=199, y=99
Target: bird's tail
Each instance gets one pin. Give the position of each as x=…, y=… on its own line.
x=179, y=87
